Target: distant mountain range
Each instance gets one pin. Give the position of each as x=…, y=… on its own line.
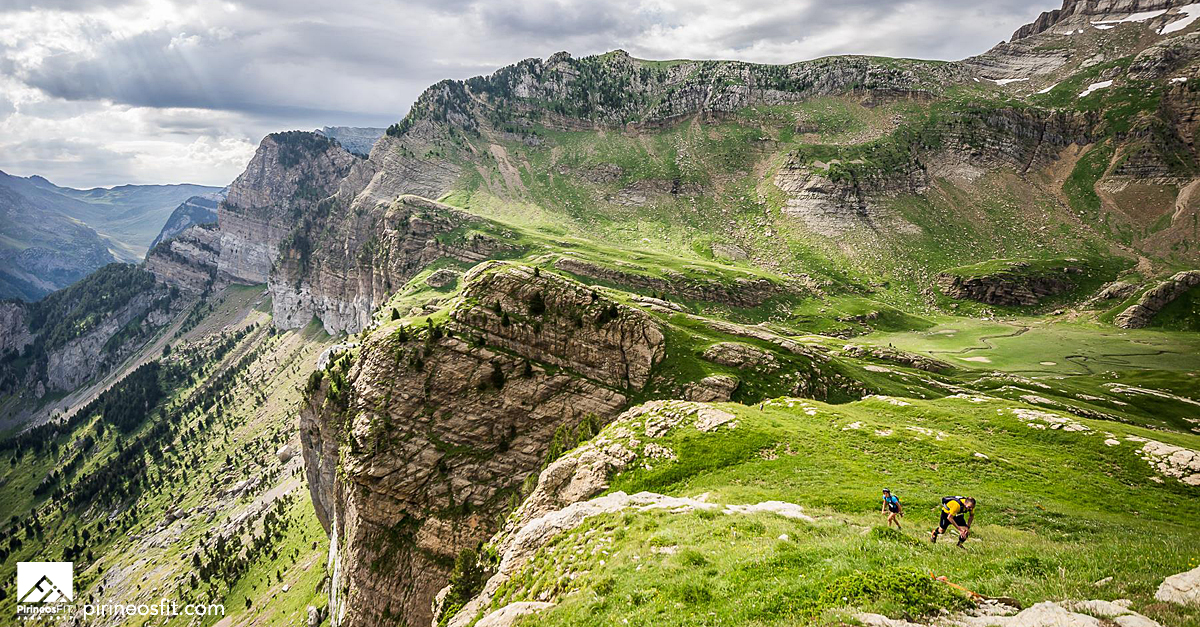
x=195, y=210
x=51, y=236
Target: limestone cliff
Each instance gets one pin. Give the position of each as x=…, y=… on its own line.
x=189, y=259
x=376, y=252
x=1084, y=11
x=415, y=446
x=289, y=173
x=14, y=326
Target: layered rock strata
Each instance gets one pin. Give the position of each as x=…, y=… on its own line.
x=415, y=447
x=1142, y=313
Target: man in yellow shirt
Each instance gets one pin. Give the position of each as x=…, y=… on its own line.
x=959, y=511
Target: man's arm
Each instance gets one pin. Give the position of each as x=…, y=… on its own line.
x=971, y=519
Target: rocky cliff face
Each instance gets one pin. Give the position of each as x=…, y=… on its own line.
x=1008, y=289
x=376, y=252
x=14, y=326
x=289, y=174
x=85, y=357
x=1142, y=313
x=414, y=447
x=849, y=194
x=1092, y=10
x=189, y=260
x=615, y=89
x=195, y=210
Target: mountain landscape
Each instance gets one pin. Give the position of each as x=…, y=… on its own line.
x=53, y=236
x=603, y=340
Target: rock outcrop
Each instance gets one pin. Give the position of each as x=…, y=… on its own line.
x=896, y=356
x=1013, y=286
x=415, y=446
x=1183, y=588
x=1093, y=613
x=1003, y=292
x=1085, y=11
x=14, y=326
x=1153, y=301
x=742, y=292
x=567, y=491
x=376, y=252
x=188, y=260
x=288, y=176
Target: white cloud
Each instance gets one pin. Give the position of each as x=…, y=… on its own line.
x=114, y=91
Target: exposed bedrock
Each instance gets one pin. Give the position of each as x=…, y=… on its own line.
x=417, y=445
x=1154, y=300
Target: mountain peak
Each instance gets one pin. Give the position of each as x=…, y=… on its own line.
x=1087, y=9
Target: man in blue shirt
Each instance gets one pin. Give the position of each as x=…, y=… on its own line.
x=892, y=508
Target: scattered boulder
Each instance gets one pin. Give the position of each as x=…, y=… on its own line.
x=1140, y=315
x=1183, y=588
x=1116, y=290
x=744, y=356
x=709, y=418
x=729, y=251
x=509, y=614
x=1173, y=461
x=715, y=389
x=442, y=278
x=285, y=453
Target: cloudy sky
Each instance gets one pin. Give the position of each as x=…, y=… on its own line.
x=105, y=92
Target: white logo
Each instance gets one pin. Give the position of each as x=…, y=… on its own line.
x=45, y=582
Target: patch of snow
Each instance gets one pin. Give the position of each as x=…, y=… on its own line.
x=1179, y=79
x=1104, y=26
x=1136, y=17
x=1190, y=14
x=1047, y=90
x=1094, y=87
x=1005, y=81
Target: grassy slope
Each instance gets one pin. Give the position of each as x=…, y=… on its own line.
x=135, y=561
x=1058, y=511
